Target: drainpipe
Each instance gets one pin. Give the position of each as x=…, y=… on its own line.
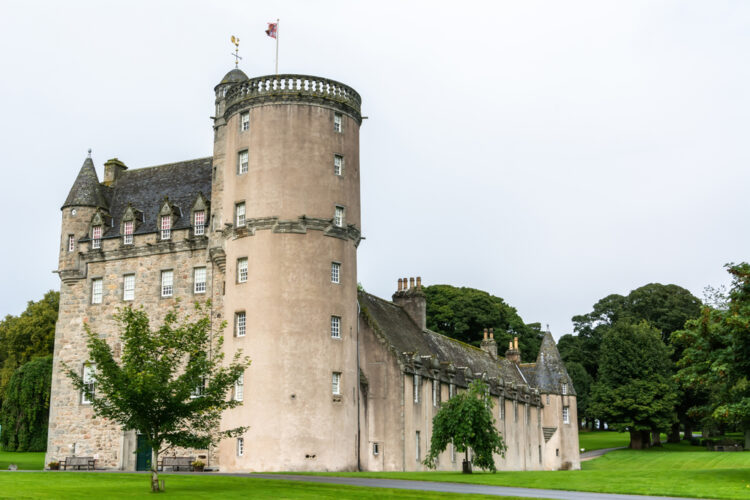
x=359, y=435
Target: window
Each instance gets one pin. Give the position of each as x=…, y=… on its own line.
x=539, y=415
x=540, y=453
x=242, y=162
x=240, y=446
x=528, y=413
x=166, y=227
x=335, y=272
x=416, y=382
x=242, y=270
x=199, y=389
x=336, y=383
x=547, y=398
x=240, y=324
x=564, y=389
x=515, y=411
x=337, y=123
x=338, y=217
x=376, y=449
x=71, y=242
x=566, y=414
x=199, y=223
x=128, y=287
x=244, y=121
x=199, y=280
x=435, y=392
x=127, y=232
x=451, y=390
x=239, y=388
x=96, y=237
x=96, y=291
x=418, y=451
x=167, y=282
x=239, y=211
x=336, y=327
x=501, y=404
x=89, y=383
x=338, y=164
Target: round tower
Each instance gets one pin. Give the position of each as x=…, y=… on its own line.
x=286, y=226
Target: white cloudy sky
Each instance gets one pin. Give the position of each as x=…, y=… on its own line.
x=550, y=152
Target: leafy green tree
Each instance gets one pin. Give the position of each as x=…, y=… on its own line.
x=582, y=382
x=149, y=388
x=463, y=313
x=635, y=390
x=25, y=413
x=466, y=421
x=716, y=355
x=28, y=335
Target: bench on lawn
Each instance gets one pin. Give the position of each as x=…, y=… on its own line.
x=78, y=463
x=176, y=463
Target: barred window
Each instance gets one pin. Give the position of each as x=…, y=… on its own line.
x=336, y=327
x=338, y=164
x=240, y=323
x=418, y=450
x=127, y=232
x=338, y=216
x=242, y=270
x=239, y=210
x=336, y=383
x=564, y=389
x=96, y=291
x=128, y=287
x=244, y=121
x=199, y=223
x=335, y=272
x=337, y=123
x=242, y=161
x=96, y=237
x=71, y=242
x=89, y=383
x=167, y=283
x=199, y=280
x=239, y=388
x=240, y=446
x=166, y=227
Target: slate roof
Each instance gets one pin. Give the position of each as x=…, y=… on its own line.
x=145, y=189
x=234, y=76
x=86, y=190
x=548, y=373
x=405, y=336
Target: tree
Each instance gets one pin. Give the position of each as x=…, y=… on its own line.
x=582, y=382
x=25, y=413
x=152, y=387
x=466, y=421
x=462, y=313
x=716, y=355
x=635, y=391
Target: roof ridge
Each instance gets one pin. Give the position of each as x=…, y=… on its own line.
x=140, y=169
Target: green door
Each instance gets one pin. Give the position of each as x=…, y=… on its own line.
x=143, y=458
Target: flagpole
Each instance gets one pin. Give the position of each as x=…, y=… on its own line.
x=277, y=46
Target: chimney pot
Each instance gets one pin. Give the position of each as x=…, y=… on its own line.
x=515, y=342
x=419, y=282
x=411, y=283
x=400, y=284
x=492, y=333
x=485, y=334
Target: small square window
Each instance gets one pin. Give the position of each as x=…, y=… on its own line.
x=128, y=287
x=336, y=383
x=240, y=324
x=242, y=161
x=338, y=164
x=244, y=121
x=199, y=223
x=338, y=125
x=166, y=227
x=336, y=327
x=71, y=242
x=239, y=210
x=239, y=388
x=240, y=447
x=167, y=283
x=127, y=232
x=338, y=216
x=242, y=270
x=199, y=280
x=335, y=272
x=96, y=291
x=96, y=237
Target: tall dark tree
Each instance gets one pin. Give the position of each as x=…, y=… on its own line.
x=462, y=313
x=25, y=413
x=635, y=391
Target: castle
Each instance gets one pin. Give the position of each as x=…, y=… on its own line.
x=267, y=228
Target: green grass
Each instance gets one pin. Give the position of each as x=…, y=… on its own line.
x=675, y=470
x=24, y=460
x=83, y=485
x=598, y=440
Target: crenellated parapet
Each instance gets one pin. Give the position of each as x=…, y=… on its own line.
x=294, y=89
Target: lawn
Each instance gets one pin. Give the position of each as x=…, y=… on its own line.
x=85, y=485
x=675, y=470
x=24, y=461
x=598, y=440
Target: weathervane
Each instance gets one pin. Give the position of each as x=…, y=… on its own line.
x=236, y=42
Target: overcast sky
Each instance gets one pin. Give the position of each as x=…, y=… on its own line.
x=550, y=153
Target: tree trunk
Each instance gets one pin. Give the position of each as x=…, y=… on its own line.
x=747, y=439
x=466, y=465
x=154, y=472
x=639, y=440
x=688, y=430
x=655, y=438
x=674, y=433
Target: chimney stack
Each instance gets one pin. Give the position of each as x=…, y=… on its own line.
x=112, y=170
x=489, y=345
x=513, y=354
x=412, y=300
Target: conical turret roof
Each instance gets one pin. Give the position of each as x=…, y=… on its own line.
x=86, y=190
x=550, y=370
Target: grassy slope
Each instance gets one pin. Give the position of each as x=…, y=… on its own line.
x=24, y=461
x=63, y=485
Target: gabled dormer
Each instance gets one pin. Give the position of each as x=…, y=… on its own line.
x=131, y=221
x=99, y=224
x=199, y=215
x=168, y=215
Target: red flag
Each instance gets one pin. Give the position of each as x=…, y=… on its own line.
x=271, y=31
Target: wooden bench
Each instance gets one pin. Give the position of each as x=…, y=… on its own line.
x=78, y=463
x=176, y=463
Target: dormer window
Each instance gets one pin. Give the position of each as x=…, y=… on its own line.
x=96, y=237
x=127, y=232
x=199, y=223
x=564, y=389
x=166, y=227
